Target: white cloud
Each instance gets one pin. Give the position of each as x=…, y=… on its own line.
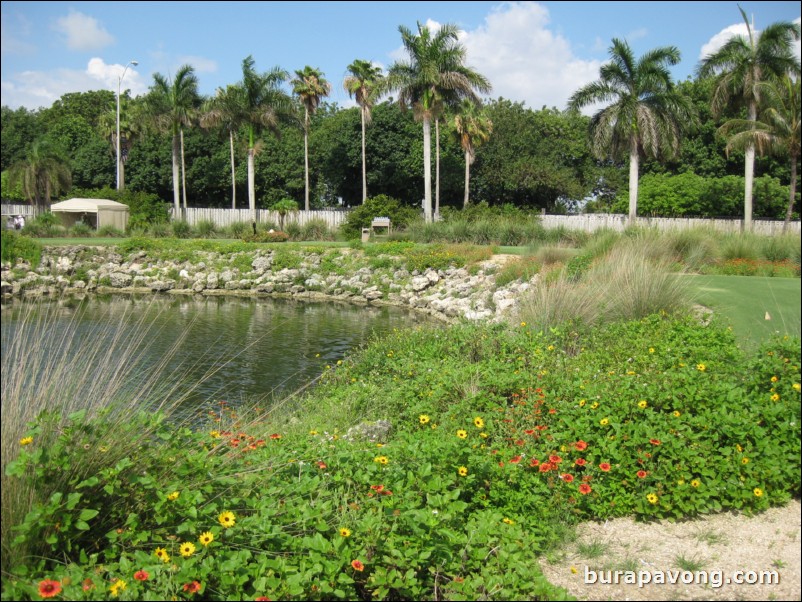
x=34, y=89
x=524, y=59
x=83, y=32
x=718, y=40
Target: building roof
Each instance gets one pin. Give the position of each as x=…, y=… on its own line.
x=87, y=206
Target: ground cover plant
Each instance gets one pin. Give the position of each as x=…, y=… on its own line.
x=501, y=438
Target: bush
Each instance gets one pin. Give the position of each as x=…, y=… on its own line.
x=205, y=228
x=262, y=236
x=238, y=229
x=44, y=225
x=110, y=232
x=181, y=229
x=16, y=246
x=145, y=209
x=81, y=230
x=316, y=229
x=378, y=206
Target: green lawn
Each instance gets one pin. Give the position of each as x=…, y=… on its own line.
x=754, y=306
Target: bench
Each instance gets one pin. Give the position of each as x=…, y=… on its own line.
x=381, y=222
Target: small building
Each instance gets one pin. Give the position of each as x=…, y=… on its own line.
x=96, y=213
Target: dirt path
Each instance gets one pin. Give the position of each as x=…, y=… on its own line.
x=719, y=545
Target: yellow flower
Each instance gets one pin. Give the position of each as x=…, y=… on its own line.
x=187, y=549
x=550, y=347
x=797, y=387
x=523, y=324
x=162, y=555
x=775, y=397
x=206, y=538
x=173, y=496
x=383, y=460
x=117, y=587
x=509, y=521
x=738, y=447
x=463, y=471
x=643, y=404
x=652, y=498
x=214, y=434
x=345, y=532
x=462, y=434
x=695, y=483
x=423, y=419
x=483, y=435
x=604, y=422
x=479, y=423
x=227, y=519
x=757, y=491
x=677, y=413
x=651, y=349
x=744, y=460
x=681, y=482
x=701, y=367
x=574, y=570
x=594, y=405
x=313, y=432
x=582, y=403
x=26, y=440
x=774, y=379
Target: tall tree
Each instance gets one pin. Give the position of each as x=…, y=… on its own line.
x=434, y=70
x=131, y=120
x=226, y=108
x=362, y=84
x=264, y=103
x=171, y=104
x=776, y=131
x=739, y=66
x=43, y=174
x=646, y=115
x=310, y=86
x=473, y=128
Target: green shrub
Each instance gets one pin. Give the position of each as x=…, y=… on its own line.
x=110, y=232
x=81, y=230
x=16, y=246
x=238, y=229
x=316, y=229
x=181, y=229
x=521, y=268
x=44, y=225
x=378, y=206
x=263, y=236
x=205, y=228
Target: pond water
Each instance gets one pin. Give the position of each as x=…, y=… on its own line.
x=214, y=348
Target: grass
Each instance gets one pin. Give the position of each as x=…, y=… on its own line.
x=593, y=549
x=691, y=564
x=744, y=302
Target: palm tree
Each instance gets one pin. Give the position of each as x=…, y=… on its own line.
x=472, y=128
x=646, y=115
x=130, y=129
x=739, y=66
x=42, y=174
x=171, y=104
x=227, y=108
x=362, y=84
x=435, y=70
x=263, y=103
x=310, y=86
x=777, y=131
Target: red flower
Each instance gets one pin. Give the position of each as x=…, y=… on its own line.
x=545, y=467
x=534, y=462
x=552, y=411
x=519, y=442
x=321, y=465
x=377, y=487
x=357, y=566
x=555, y=459
x=501, y=464
x=262, y=599
x=568, y=478
x=87, y=584
x=642, y=474
x=605, y=467
x=581, y=445
x=141, y=575
x=193, y=587
x=386, y=492
x=275, y=436
x=580, y=461
x=49, y=588
x=515, y=460
x=530, y=431
x=541, y=427
x=584, y=489
x=654, y=441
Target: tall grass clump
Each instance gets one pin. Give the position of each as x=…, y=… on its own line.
x=63, y=382
x=238, y=229
x=739, y=246
x=205, y=228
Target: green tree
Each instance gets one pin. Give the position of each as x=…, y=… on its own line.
x=226, y=108
x=171, y=104
x=264, y=103
x=19, y=127
x=739, y=66
x=131, y=125
x=43, y=174
x=473, y=128
x=283, y=207
x=362, y=84
x=434, y=70
x=646, y=115
x=310, y=86
x=776, y=131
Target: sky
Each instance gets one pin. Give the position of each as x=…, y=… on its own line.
x=537, y=53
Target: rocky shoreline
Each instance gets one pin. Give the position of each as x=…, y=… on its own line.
x=348, y=275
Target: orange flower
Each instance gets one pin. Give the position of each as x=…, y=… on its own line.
x=584, y=489
x=49, y=588
x=357, y=566
x=193, y=587
x=141, y=575
x=605, y=466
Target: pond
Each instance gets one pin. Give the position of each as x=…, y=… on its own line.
x=209, y=348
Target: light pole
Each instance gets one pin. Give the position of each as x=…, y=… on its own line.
x=119, y=83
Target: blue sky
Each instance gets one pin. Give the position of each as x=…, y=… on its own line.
x=534, y=52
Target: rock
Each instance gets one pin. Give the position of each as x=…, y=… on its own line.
x=120, y=279
x=377, y=432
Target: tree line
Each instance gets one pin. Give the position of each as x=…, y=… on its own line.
x=255, y=142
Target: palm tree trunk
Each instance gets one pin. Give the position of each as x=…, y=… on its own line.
x=466, y=200
x=233, y=172
x=306, y=158
x=251, y=189
x=792, y=196
x=364, y=163
x=427, y=169
x=749, y=174
x=437, y=167
x=122, y=175
x=176, y=176
x=183, y=174
x=633, y=182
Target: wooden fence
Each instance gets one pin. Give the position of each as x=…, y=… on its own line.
x=588, y=222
